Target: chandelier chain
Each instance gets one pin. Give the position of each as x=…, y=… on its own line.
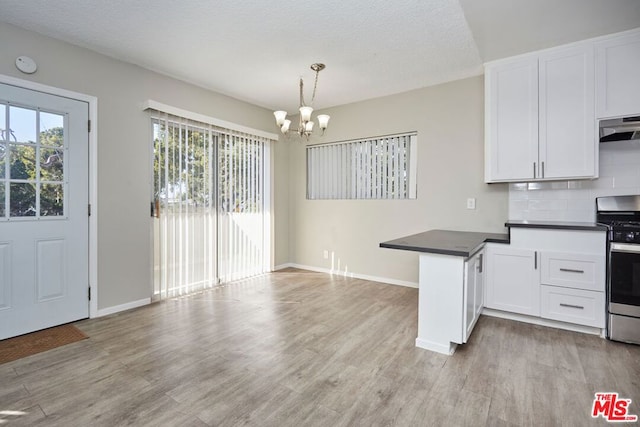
x=315, y=85
x=302, y=104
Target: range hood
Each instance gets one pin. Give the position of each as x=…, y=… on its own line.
x=623, y=129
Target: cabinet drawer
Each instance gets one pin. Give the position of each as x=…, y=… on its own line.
x=579, y=271
x=572, y=305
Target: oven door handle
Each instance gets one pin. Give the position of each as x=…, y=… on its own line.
x=625, y=247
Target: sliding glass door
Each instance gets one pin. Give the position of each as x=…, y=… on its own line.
x=208, y=208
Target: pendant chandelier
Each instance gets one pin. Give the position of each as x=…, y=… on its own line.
x=305, y=125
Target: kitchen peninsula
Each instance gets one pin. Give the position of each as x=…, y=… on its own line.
x=451, y=293
x=542, y=272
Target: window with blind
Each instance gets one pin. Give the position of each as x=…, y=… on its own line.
x=373, y=168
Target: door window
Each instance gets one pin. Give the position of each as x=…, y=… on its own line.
x=32, y=167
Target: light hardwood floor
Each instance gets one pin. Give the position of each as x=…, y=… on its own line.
x=308, y=349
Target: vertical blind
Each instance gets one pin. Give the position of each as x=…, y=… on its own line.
x=209, y=205
x=241, y=207
x=373, y=168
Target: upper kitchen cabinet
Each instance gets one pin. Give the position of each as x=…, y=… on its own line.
x=539, y=116
x=617, y=83
x=511, y=120
x=566, y=127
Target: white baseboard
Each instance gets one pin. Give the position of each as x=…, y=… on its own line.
x=122, y=307
x=349, y=274
x=542, y=322
x=437, y=347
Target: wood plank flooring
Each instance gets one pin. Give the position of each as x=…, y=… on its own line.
x=307, y=349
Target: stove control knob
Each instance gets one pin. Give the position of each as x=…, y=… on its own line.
x=630, y=237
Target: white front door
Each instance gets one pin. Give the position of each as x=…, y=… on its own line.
x=44, y=236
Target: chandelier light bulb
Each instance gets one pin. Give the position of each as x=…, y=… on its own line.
x=323, y=121
x=305, y=113
x=285, y=126
x=308, y=127
x=280, y=116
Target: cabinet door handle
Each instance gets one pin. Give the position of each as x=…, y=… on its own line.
x=571, y=270
x=542, y=169
x=579, y=307
x=534, y=170
x=480, y=263
x=535, y=260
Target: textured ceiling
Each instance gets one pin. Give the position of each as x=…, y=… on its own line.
x=256, y=50
x=503, y=28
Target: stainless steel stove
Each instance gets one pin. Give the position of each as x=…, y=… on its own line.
x=622, y=216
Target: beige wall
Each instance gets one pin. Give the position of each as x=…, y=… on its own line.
x=449, y=122
x=448, y=118
x=124, y=250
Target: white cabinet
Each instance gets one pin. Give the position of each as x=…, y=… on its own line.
x=573, y=305
x=572, y=288
x=539, y=116
x=617, y=83
x=578, y=271
x=513, y=280
x=450, y=300
x=567, y=127
x=473, y=292
x=511, y=120
x=549, y=273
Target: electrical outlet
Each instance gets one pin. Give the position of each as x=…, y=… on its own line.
x=471, y=203
x=325, y=254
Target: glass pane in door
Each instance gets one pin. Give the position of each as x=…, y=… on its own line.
x=22, y=199
x=4, y=132
x=3, y=153
x=22, y=161
x=52, y=200
x=51, y=164
x=51, y=129
x=22, y=125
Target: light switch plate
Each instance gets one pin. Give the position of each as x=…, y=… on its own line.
x=471, y=203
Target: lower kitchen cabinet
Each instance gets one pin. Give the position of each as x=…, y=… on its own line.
x=573, y=306
x=572, y=288
x=473, y=293
x=513, y=280
x=450, y=300
x=551, y=274
x=579, y=271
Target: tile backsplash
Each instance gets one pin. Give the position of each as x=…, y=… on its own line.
x=575, y=200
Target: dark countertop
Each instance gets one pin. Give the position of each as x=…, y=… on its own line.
x=455, y=243
x=558, y=225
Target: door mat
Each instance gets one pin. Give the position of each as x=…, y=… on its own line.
x=25, y=345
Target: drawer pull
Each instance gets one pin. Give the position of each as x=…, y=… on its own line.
x=579, y=307
x=571, y=270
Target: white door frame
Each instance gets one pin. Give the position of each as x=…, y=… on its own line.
x=93, y=173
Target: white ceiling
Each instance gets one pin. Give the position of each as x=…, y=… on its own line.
x=256, y=50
